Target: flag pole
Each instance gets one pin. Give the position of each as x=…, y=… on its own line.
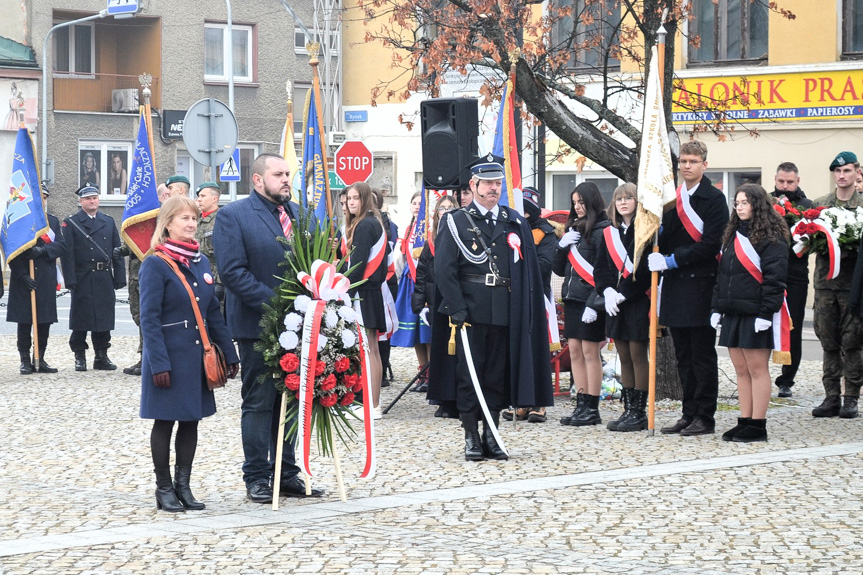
x=654, y=276
x=146, y=81
x=313, y=48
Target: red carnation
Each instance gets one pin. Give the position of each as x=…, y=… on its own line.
x=292, y=381
x=811, y=214
x=319, y=368
x=353, y=382
x=289, y=362
x=779, y=209
x=342, y=364
x=329, y=400
x=329, y=383
x=793, y=210
x=347, y=399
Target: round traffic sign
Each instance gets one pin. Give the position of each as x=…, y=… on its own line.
x=353, y=162
x=210, y=132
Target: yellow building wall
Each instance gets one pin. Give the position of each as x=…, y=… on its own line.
x=812, y=37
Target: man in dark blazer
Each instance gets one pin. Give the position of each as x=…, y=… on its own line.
x=92, y=274
x=689, y=243
x=44, y=254
x=248, y=250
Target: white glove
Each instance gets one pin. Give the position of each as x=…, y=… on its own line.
x=569, y=238
x=424, y=316
x=589, y=315
x=656, y=262
x=715, y=318
x=613, y=299
x=762, y=324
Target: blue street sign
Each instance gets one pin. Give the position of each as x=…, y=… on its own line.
x=122, y=7
x=230, y=170
x=356, y=116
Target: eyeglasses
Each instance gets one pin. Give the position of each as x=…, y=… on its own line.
x=741, y=203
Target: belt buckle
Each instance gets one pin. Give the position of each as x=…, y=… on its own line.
x=490, y=280
x=100, y=266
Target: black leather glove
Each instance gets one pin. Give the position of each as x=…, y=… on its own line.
x=30, y=283
x=459, y=318
x=233, y=369
x=37, y=252
x=119, y=252
x=162, y=379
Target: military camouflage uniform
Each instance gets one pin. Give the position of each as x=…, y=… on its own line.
x=840, y=331
x=204, y=237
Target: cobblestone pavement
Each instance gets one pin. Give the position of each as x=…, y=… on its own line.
x=77, y=485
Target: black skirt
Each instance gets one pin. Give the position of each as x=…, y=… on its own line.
x=371, y=308
x=574, y=328
x=632, y=322
x=739, y=331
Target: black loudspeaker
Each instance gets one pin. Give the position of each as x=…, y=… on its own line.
x=450, y=128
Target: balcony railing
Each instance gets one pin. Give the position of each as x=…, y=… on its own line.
x=96, y=93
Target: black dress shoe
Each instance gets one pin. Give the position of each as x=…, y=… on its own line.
x=784, y=391
x=490, y=447
x=698, y=427
x=296, y=487
x=260, y=493
x=45, y=368
x=473, y=446
x=445, y=413
x=681, y=424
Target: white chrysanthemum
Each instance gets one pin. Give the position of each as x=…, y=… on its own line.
x=293, y=321
x=348, y=314
x=289, y=340
x=331, y=319
x=322, y=342
x=349, y=339
x=346, y=298
x=301, y=304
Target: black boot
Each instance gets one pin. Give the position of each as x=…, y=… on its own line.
x=472, y=441
x=166, y=499
x=44, y=367
x=829, y=407
x=580, y=402
x=490, y=447
x=849, y=408
x=80, y=361
x=627, y=406
x=102, y=362
x=590, y=414
x=26, y=366
x=637, y=420
x=182, y=489
x=134, y=369
x=731, y=433
x=755, y=431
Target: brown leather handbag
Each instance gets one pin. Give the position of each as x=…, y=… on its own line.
x=215, y=366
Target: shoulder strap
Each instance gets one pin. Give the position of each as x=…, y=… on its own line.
x=205, y=337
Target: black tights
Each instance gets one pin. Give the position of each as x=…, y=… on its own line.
x=633, y=363
x=185, y=443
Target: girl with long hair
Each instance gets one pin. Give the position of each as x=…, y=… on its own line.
x=366, y=242
x=584, y=317
x=750, y=289
x=627, y=306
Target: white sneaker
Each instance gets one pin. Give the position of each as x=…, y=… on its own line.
x=377, y=413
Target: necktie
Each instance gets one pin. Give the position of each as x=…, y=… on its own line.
x=489, y=219
x=285, y=220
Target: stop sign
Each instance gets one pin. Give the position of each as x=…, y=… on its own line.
x=353, y=162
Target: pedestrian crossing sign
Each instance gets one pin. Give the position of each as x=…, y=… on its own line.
x=230, y=170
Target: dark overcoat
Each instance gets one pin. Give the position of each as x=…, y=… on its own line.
x=18, y=309
x=522, y=308
x=247, y=243
x=87, y=270
x=737, y=292
x=172, y=341
x=687, y=289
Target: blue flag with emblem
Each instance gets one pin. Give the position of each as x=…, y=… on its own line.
x=313, y=178
x=24, y=220
x=142, y=200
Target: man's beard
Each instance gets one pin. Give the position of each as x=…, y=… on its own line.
x=278, y=195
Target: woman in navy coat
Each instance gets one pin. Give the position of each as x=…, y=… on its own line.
x=173, y=386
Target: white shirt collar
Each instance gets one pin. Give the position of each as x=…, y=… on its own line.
x=483, y=211
x=689, y=191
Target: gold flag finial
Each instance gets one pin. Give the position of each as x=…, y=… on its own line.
x=514, y=55
x=313, y=48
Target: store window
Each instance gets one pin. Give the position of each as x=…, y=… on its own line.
x=105, y=165
x=75, y=50
x=852, y=28
x=588, y=31
x=728, y=30
x=216, y=52
x=562, y=186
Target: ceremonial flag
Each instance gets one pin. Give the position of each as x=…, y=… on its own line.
x=286, y=147
x=142, y=200
x=506, y=146
x=313, y=176
x=416, y=238
x=655, y=174
x=24, y=220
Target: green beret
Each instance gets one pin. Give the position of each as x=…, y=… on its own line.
x=842, y=159
x=206, y=185
x=178, y=178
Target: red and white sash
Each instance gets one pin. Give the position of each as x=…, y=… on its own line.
x=408, y=249
x=691, y=221
x=617, y=251
x=749, y=258
x=376, y=256
x=581, y=266
x=832, y=245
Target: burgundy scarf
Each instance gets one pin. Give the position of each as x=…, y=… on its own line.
x=180, y=251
